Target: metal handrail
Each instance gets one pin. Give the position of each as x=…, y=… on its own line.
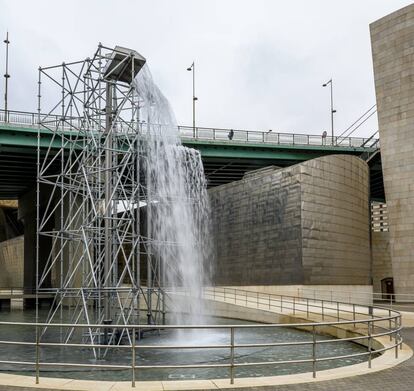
x=385, y=298
x=371, y=322
x=201, y=133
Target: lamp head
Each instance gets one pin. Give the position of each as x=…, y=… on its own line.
x=328, y=82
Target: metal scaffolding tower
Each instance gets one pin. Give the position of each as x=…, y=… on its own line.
x=93, y=198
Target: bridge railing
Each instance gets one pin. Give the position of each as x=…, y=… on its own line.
x=271, y=137
x=206, y=134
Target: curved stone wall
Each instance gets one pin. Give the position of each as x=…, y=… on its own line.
x=392, y=40
x=335, y=221
x=305, y=224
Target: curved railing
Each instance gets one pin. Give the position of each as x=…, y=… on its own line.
x=199, y=133
x=364, y=323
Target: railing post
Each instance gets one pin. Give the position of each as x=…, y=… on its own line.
x=257, y=299
x=224, y=290
x=337, y=310
x=396, y=337
x=390, y=324
x=235, y=292
x=294, y=306
x=323, y=314
x=353, y=314
x=246, y=298
x=133, y=357
x=232, y=355
x=369, y=343
x=313, y=352
x=307, y=307
x=214, y=134
x=281, y=303
x=269, y=302
x=37, y=369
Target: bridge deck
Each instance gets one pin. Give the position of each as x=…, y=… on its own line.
x=227, y=154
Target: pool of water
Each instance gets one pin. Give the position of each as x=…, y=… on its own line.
x=175, y=356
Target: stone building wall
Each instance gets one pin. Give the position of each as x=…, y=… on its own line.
x=11, y=263
x=305, y=224
x=257, y=228
x=335, y=221
x=392, y=39
x=381, y=258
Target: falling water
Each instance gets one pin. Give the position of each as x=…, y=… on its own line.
x=178, y=204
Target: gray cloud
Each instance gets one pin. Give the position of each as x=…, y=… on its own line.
x=260, y=64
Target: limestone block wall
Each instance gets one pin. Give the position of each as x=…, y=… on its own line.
x=381, y=258
x=305, y=224
x=257, y=228
x=11, y=262
x=335, y=221
x=6, y=229
x=392, y=39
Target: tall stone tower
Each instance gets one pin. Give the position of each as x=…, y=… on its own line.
x=392, y=39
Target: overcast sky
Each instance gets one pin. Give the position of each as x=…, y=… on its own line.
x=260, y=64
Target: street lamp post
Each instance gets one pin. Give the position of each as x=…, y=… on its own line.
x=6, y=75
x=333, y=111
x=192, y=68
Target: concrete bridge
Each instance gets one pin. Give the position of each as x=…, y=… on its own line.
x=227, y=154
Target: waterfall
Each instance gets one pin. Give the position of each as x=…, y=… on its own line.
x=178, y=206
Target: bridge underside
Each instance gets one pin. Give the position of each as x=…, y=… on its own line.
x=17, y=171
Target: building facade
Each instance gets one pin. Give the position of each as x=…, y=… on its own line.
x=392, y=40
x=305, y=224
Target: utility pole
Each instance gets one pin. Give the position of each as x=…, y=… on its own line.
x=192, y=68
x=333, y=111
x=6, y=75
